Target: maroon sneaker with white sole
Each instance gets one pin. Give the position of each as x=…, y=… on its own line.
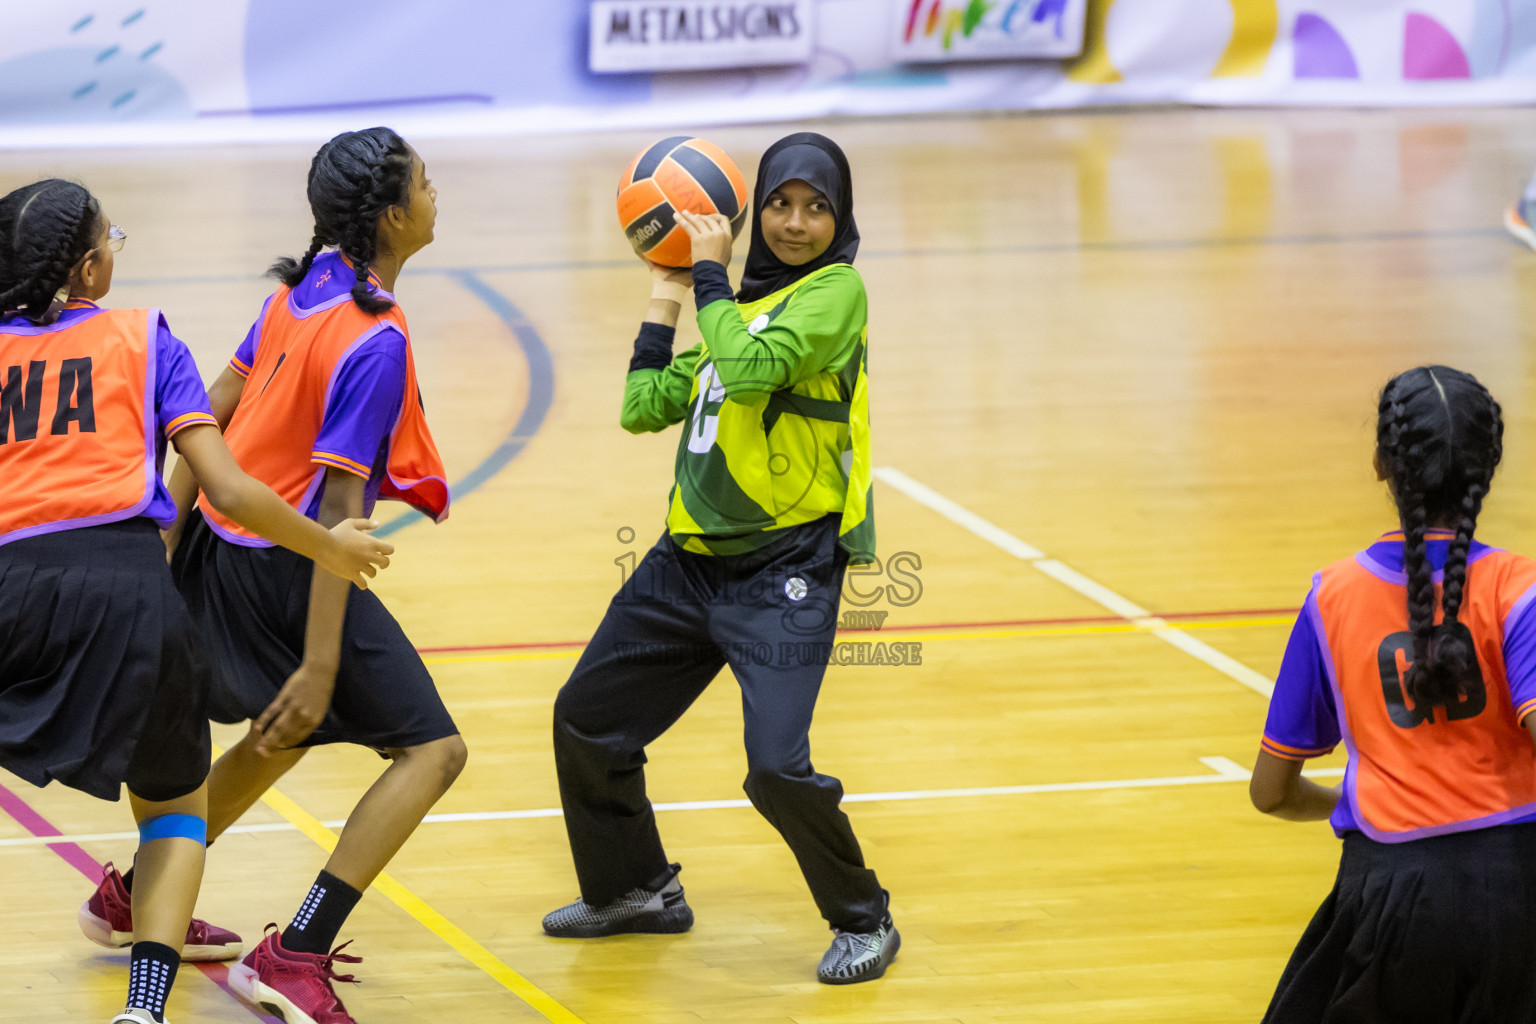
x=107, y=920
x=298, y=987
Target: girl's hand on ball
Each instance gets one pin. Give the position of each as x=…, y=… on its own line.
x=710, y=234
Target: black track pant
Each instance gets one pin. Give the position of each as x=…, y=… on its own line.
x=674, y=624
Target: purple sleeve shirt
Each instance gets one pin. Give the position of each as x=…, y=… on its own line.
x=180, y=398
x=361, y=410
x=245, y=355
x=181, y=401
x=1520, y=654
x=1303, y=719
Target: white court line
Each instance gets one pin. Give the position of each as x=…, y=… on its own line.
x=1094, y=591
x=1225, y=770
x=1237, y=773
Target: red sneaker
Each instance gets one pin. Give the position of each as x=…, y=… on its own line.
x=294, y=986
x=107, y=920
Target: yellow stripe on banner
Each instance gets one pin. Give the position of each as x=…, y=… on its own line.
x=457, y=939
x=1094, y=66
x=1255, y=27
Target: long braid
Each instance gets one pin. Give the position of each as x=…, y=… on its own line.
x=1454, y=659
x=291, y=273
x=1480, y=448
x=1440, y=439
x=1421, y=591
x=362, y=246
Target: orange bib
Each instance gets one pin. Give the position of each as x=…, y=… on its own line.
x=77, y=422
x=272, y=434
x=1421, y=771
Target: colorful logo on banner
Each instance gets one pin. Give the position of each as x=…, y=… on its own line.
x=956, y=29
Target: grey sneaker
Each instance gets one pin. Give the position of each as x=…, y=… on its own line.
x=859, y=956
x=657, y=909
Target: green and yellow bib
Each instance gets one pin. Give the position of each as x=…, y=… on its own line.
x=746, y=469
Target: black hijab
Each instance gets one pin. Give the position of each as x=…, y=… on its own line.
x=817, y=161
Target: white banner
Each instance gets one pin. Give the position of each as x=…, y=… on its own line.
x=936, y=30
x=643, y=35
x=189, y=72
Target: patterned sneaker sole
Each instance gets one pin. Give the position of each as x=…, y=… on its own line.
x=245, y=984
x=210, y=954
x=672, y=921
x=878, y=970
x=99, y=931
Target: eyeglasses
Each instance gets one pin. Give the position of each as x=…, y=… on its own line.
x=116, y=237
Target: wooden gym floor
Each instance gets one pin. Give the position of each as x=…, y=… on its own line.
x=1144, y=348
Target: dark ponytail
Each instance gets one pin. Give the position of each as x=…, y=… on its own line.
x=352, y=180
x=1439, y=438
x=45, y=229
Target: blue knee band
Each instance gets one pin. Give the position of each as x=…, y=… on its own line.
x=174, y=826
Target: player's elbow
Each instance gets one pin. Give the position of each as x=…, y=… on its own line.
x=1267, y=797
x=637, y=422
x=337, y=506
x=633, y=421
x=234, y=497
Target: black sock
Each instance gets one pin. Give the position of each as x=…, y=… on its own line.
x=319, y=920
x=151, y=974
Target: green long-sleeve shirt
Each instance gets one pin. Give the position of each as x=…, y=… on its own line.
x=778, y=417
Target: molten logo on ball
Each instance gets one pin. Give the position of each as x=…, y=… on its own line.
x=680, y=173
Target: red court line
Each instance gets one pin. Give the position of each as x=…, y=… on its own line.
x=77, y=858
x=1235, y=613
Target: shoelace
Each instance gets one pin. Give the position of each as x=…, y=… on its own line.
x=326, y=970
x=329, y=973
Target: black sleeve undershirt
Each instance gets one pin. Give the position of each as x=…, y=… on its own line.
x=653, y=347
x=710, y=283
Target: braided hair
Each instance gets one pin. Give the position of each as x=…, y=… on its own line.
x=353, y=179
x=45, y=229
x=1439, y=438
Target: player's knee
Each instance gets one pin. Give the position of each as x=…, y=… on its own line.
x=765, y=781
x=566, y=707
x=174, y=826
x=573, y=728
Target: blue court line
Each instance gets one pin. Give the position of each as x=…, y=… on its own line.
x=541, y=395
x=1038, y=249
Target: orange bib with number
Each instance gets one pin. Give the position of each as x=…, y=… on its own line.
x=77, y=422
x=1420, y=771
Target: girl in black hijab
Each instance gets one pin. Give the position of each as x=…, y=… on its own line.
x=812, y=160
x=770, y=504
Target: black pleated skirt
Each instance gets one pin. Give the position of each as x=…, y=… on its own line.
x=1434, y=931
x=252, y=607
x=102, y=676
